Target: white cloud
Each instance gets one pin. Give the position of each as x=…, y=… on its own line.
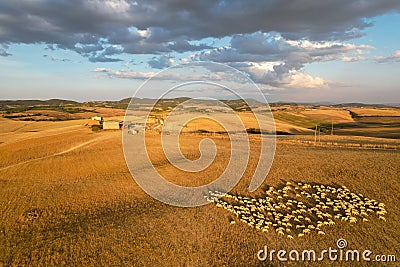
x=109, y=6
x=395, y=57
x=144, y=33
x=140, y=75
x=269, y=73
x=101, y=70
x=353, y=59
x=297, y=79
x=272, y=60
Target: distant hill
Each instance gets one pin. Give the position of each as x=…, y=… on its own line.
x=359, y=105
x=236, y=104
x=37, y=102
x=239, y=104
x=338, y=105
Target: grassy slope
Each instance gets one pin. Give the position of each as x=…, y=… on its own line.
x=298, y=119
x=93, y=213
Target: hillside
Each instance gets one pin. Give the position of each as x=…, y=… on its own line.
x=290, y=118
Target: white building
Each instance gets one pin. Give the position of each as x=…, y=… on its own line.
x=97, y=118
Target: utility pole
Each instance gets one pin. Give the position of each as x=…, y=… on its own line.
x=319, y=135
x=315, y=134
x=332, y=128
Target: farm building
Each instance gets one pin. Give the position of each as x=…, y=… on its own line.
x=97, y=118
x=111, y=125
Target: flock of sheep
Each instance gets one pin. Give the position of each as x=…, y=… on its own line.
x=297, y=209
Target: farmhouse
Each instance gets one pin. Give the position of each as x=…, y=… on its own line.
x=97, y=118
x=111, y=125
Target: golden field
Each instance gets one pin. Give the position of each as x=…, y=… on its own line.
x=377, y=112
x=68, y=199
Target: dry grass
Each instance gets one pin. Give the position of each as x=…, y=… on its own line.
x=359, y=142
x=92, y=213
x=249, y=121
x=12, y=131
x=376, y=111
x=205, y=124
x=337, y=115
x=297, y=119
x=379, y=131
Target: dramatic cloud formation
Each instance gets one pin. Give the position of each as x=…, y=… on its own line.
x=271, y=40
x=166, y=26
x=271, y=59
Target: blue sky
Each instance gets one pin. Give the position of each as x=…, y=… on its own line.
x=104, y=50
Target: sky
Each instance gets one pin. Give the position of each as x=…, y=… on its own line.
x=302, y=51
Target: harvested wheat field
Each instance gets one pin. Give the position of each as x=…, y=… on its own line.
x=68, y=199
